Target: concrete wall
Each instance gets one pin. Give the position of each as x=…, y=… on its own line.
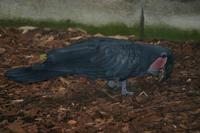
x=178, y=13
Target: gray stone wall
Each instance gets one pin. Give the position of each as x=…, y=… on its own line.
x=179, y=13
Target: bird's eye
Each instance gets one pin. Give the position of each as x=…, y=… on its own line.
x=164, y=56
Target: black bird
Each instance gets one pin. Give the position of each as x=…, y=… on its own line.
x=99, y=58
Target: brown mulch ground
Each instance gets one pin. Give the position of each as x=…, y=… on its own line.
x=75, y=104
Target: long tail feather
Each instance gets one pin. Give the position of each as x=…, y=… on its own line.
x=30, y=75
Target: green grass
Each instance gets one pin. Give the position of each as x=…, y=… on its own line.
x=171, y=33
x=151, y=31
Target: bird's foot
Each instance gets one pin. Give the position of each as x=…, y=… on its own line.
x=114, y=85
x=124, y=91
x=127, y=93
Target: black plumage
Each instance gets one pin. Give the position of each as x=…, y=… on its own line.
x=96, y=58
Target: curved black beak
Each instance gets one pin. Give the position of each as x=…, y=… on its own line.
x=165, y=73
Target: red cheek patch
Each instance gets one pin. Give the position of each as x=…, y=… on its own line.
x=158, y=64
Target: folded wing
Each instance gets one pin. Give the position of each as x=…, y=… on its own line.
x=105, y=61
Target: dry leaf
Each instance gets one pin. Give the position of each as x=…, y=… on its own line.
x=2, y=50
x=72, y=122
x=98, y=35
x=76, y=38
x=16, y=128
x=17, y=101
x=125, y=129
x=119, y=37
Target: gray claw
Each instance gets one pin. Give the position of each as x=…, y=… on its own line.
x=112, y=84
x=124, y=91
x=127, y=93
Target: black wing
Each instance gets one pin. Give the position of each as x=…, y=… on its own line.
x=109, y=59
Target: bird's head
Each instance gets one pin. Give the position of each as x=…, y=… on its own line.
x=162, y=66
